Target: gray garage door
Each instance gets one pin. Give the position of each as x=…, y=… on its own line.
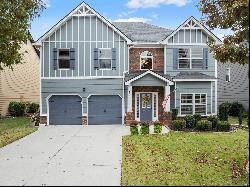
x=105, y=110
x=65, y=110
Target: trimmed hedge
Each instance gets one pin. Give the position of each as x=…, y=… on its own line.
x=223, y=126
x=190, y=121
x=178, y=125
x=16, y=108
x=32, y=107
x=134, y=129
x=214, y=120
x=144, y=128
x=223, y=111
x=204, y=125
x=235, y=108
x=157, y=128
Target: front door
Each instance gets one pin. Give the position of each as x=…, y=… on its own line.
x=146, y=107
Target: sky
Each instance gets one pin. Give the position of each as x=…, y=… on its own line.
x=165, y=13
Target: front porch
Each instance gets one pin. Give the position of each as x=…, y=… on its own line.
x=145, y=94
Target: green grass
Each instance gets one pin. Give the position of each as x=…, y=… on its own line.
x=14, y=129
x=235, y=120
x=182, y=158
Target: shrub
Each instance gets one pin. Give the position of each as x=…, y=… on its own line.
x=16, y=108
x=190, y=121
x=214, y=120
x=178, y=125
x=240, y=117
x=204, y=125
x=197, y=118
x=157, y=127
x=235, y=108
x=245, y=114
x=174, y=113
x=223, y=111
x=134, y=129
x=33, y=108
x=223, y=126
x=144, y=128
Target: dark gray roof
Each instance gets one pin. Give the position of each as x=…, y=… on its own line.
x=129, y=76
x=142, y=32
x=193, y=75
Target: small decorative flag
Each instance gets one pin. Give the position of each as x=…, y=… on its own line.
x=165, y=102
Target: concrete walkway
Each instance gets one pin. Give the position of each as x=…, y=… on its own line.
x=64, y=155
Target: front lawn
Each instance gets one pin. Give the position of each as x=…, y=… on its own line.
x=14, y=129
x=182, y=158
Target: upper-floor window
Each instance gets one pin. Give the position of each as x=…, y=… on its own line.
x=64, y=59
x=105, y=58
x=228, y=75
x=146, y=60
x=190, y=58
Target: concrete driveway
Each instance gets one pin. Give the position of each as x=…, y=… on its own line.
x=64, y=155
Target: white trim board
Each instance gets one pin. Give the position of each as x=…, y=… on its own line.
x=194, y=80
x=76, y=11
x=152, y=73
x=218, y=41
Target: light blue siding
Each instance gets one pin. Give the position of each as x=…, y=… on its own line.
x=194, y=87
x=173, y=72
x=103, y=86
x=95, y=34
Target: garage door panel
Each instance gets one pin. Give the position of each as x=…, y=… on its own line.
x=105, y=110
x=65, y=110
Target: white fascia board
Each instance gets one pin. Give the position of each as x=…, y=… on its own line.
x=149, y=72
x=218, y=41
x=55, y=27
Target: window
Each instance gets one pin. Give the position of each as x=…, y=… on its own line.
x=146, y=60
x=228, y=75
x=64, y=59
x=190, y=58
x=193, y=104
x=186, y=104
x=105, y=58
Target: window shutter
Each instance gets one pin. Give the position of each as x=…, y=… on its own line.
x=72, y=58
x=175, y=58
x=96, y=60
x=205, y=58
x=113, y=58
x=55, y=58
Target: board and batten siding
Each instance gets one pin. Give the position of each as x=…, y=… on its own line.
x=195, y=88
x=105, y=86
x=238, y=87
x=173, y=71
x=84, y=34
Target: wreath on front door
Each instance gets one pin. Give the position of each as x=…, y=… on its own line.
x=146, y=99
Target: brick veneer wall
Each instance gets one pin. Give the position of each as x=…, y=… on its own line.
x=164, y=117
x=43, y=120
x=134, y=58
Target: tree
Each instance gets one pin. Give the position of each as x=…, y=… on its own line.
x=15, y=19
x=233, y=15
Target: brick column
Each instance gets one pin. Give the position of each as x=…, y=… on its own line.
x=85, y=120
x=43, y=120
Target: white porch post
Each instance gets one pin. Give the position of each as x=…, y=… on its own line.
x=129, y=100
x=167, y=92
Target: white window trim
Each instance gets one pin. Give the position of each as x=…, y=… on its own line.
x=157, y=106
x=193, y=103
x=58, y=52
x=151, y=57
x=190, y=59
x=105, y=69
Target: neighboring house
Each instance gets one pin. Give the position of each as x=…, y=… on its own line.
x=233, y=83
x=95, y=72
x=23, y=83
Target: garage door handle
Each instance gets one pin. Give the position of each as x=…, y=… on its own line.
x=105, y=110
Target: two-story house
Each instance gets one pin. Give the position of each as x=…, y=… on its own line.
x=96, y=72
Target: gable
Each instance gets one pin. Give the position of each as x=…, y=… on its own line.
x=82, y=19
x=191, y=32
x=149, y=80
